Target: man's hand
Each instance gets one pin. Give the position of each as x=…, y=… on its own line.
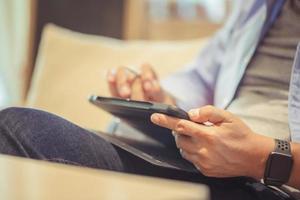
x=226, y=147
x=145, y=87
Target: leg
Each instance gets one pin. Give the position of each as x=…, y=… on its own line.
x=40, y=135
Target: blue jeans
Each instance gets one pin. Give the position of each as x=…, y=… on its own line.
x=40, y=135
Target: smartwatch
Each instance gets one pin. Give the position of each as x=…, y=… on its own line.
x=279, y=164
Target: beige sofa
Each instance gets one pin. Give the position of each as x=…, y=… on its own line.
x=71, y=66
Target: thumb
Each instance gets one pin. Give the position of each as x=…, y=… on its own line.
x=209, y=114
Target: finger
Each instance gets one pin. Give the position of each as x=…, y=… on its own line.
x=209, y=114
x=151, y=85
x=111, y=79
x=191, y=157
x=148, y=77
x=147, y=72
x=137, y=90
x=164, y=121
x=155, y=93
x=111, y=75
x=123, y=83
x=131, y=75
x=185, y=143
x=182, y=126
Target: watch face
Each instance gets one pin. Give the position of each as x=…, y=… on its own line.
x=280, y=166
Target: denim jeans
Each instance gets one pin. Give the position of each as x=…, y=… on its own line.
x=40, y=135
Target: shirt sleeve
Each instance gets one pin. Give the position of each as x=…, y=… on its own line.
x=194, y=85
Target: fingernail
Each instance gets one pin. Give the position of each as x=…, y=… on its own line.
x=111, y=78
x=174, y=133
x=155, y=118
x=111, y=75
x=182, y=153
x=147, y=85
x=193, y=113
x=125, y=91
x=112, y=72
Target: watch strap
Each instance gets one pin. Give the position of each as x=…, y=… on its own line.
x=282, y=146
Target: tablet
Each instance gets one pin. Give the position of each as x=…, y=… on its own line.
x=137, y=115
x=136, y=109
x=139, y=136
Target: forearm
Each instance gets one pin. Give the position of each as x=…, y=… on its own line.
x=294, y=180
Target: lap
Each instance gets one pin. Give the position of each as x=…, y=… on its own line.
x=41, y=135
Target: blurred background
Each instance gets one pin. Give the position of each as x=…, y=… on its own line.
x=22, y=22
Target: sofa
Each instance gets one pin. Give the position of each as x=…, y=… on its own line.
x=71, y=66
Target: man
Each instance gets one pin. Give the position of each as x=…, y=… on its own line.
x=251, y=68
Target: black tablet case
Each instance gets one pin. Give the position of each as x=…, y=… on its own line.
x=136, y=134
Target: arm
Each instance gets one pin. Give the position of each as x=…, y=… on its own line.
x=228, y=148
x=295, y=175
x=194, y=86
x=191, y=87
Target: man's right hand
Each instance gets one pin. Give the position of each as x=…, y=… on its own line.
x=146, y=87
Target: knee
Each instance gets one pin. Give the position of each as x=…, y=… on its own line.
x=17, y=130
x=10, y=118
x=23, y=123
x=14, y=115
x=10, y=112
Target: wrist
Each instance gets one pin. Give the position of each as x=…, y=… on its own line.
x=294, y=178
x=262, y=148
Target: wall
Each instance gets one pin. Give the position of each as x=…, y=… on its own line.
x=14, y=33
